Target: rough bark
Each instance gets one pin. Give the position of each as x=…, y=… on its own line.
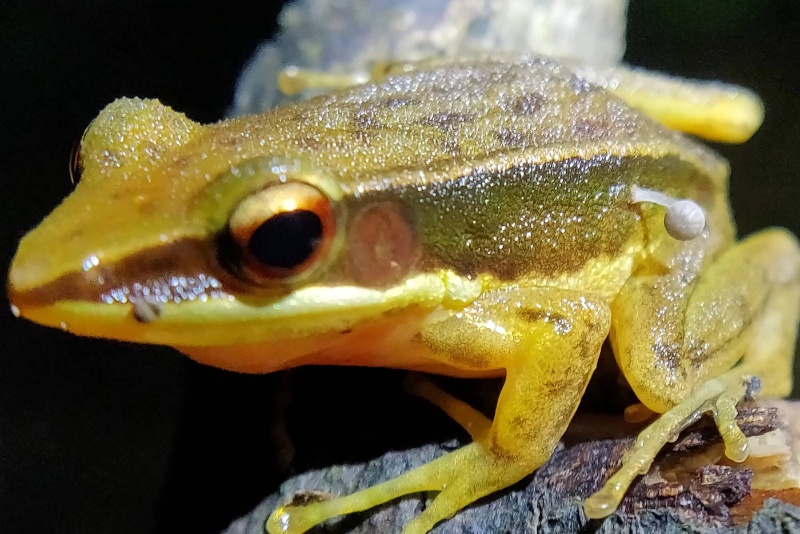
x=690, y=488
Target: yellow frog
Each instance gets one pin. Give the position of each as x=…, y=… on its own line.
x=471, y=218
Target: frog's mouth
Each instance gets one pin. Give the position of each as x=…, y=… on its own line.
x=200, y=311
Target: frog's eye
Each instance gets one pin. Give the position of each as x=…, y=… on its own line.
x=75, y=164
x=75, y=159
x=282, y=231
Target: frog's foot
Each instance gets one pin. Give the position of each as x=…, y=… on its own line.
x=460, y=477
x=718, y=396
x=294, y=80
x=540, y=394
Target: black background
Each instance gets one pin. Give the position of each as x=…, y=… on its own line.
x=98, y=436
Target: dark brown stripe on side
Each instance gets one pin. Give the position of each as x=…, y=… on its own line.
x=183, y=270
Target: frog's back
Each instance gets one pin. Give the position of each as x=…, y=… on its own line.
x=512, y=169
x=460, y=113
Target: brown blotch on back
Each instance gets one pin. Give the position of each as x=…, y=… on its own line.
x=394, y=103
x=513, y=138
x=364, y=125
x=447, y=121
x=366, y=119
x=451, y=146
x=591, y=128
x=526, y=105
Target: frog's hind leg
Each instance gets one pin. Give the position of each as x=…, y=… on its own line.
x=294, y=80
x=712, y=110
x=548, y=341
x=743, y=309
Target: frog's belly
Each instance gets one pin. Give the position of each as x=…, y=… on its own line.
x=386, y=342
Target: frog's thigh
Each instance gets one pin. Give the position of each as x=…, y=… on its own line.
x=711, y=110
x=744, y=307
x=548, y=342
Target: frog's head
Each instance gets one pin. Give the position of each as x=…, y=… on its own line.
x=187, y=235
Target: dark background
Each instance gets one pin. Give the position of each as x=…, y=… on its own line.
x=98, y=436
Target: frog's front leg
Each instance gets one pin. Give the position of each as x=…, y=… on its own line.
x=678, y=341
x=547, y=341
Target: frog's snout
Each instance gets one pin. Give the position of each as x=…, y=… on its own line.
x=36, y=288
x=23, y=275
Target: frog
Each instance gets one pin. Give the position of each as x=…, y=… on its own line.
x=485, y=217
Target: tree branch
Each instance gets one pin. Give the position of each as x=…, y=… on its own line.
x=690, y=488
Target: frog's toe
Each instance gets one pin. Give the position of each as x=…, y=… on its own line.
x=460, y=477
x=719, y=396
x=444, y=506
x=725, y=413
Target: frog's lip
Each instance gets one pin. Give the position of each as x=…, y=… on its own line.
x=226, y=319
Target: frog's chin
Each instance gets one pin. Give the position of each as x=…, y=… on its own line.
x=369, y=336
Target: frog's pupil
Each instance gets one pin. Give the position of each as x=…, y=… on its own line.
x=286, y=240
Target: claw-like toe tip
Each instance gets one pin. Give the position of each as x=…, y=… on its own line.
x=599, y=506
x=278, y=522
x=738, y=452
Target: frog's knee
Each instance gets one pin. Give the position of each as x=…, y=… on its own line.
x=785, y=269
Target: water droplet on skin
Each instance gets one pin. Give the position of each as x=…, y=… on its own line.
x=91, y=262
x=15, y=311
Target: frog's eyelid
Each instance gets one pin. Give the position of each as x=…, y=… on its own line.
x=684, y=219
